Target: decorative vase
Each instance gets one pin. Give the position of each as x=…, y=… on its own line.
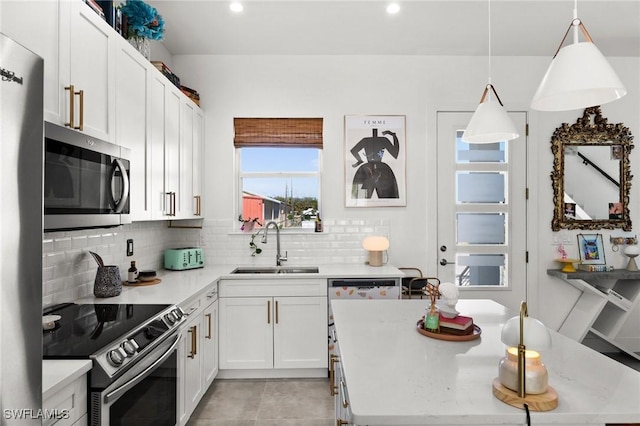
x=142, y=45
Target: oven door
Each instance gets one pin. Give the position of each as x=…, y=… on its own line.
x=147, y=394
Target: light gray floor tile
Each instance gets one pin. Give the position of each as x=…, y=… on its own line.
x=283, y=402
x=231, y=400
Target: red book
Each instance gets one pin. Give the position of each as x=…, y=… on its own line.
x=460, y=322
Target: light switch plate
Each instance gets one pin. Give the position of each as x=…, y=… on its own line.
x=130, y=247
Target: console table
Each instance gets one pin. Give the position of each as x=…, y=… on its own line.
x=603, y=307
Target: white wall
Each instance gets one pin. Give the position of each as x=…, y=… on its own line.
x=334, y=86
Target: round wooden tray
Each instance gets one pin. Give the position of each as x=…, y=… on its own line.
x=450, y=337
x=139, y=283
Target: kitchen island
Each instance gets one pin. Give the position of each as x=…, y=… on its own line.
x=394, y=375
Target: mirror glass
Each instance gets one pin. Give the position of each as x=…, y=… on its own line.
x=591, y=174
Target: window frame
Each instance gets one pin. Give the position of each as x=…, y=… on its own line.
x=240, y=175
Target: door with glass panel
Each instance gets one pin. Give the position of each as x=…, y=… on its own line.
x=482, y=215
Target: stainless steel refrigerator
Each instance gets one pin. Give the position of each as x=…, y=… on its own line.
x=21, y=165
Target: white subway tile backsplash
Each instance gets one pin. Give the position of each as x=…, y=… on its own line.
x=69, y=270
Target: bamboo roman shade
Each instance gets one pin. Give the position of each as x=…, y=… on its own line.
x=278, y=132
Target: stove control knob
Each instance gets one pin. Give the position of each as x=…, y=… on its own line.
x=171, y=318
x=116, y=356
x=129, y=347
x=178, y=313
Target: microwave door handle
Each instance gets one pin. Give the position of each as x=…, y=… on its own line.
x=118, y=164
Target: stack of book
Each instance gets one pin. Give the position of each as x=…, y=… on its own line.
x=167, y=73
x=191, y=94
x=595, y=268
x=93, y=4
x=460, y=325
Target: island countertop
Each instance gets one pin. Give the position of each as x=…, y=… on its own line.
x=397, y=376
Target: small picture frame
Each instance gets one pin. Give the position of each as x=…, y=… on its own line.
x=616, y=152
x=615, y=210
x=591, y=249
x=570, y=211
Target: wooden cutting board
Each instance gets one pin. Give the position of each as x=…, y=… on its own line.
x=142, y=283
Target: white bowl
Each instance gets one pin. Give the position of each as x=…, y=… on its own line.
x=49, y=321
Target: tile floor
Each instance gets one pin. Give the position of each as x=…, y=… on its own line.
x=283, y=402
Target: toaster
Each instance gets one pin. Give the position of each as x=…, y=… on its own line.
x=180, y=259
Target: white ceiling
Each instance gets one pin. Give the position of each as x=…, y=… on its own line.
x=422, y=27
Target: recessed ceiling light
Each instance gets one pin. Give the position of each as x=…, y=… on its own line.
x=236, y=7
x=393, y=8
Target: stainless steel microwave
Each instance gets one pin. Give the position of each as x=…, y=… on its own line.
x=86, y=181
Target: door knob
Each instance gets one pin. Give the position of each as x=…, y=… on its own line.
x=445, y=262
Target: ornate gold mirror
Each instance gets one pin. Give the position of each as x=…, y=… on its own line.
x=591, y=174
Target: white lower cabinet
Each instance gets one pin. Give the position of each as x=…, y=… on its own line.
x=210, y=343
x=197, y=352
x=70, y=404
x=284, y=327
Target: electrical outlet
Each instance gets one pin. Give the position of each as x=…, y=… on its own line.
x=202, y=240
x=130, y=247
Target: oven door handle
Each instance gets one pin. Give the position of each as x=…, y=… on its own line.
x=116, y=393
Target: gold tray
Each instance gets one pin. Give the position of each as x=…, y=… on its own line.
x=450, y=337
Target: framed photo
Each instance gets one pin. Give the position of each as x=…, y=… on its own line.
x=375, y=159
x=570, y=211
x=591, y=249
x=615, y=210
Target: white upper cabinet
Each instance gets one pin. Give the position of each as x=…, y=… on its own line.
x=96, y=82
x=132, y=124
x=91, y=73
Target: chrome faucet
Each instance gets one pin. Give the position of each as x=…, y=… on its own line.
x=279, y=257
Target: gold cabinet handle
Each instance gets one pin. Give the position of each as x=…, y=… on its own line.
x=72, y=106
x=268, y=311
x=173, y=204
x=276, y=311
x=81, y=126
x=340, y=422
x=208, y=336
x=194, y=341
x=198, y=211
x=345, y=403
x=333, y=389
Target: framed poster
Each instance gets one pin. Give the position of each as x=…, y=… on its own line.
x=591, y=249
x=375, y=160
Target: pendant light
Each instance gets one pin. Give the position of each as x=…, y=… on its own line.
x=579, y=75
x=490, y=122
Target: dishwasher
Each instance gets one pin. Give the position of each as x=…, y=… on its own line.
x=359, y=289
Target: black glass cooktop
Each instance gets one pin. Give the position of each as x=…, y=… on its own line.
x=84, y=329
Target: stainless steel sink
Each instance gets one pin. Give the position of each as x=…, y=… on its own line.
x=276, y=270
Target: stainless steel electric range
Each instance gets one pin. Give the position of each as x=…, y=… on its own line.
x=134, y=378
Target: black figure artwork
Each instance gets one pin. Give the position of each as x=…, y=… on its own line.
x=375, y=175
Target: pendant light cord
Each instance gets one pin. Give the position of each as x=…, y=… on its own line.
x=489, y=30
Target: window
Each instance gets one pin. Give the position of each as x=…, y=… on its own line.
x=279, y=170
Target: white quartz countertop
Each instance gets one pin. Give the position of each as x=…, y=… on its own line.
x=178, y=287
x=397, y=376
x=56, y=374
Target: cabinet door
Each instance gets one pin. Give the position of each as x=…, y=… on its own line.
x=300, y=332
x=198, y=159
x=191, y=366
x=131, y=124
x=172, y=150
x=185, y=200
x=246, y=333
x=157, y=114
x=92, y=70
x=50, y=42
x=210, y=343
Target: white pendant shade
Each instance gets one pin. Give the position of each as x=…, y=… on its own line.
x=489, y=124
x=578, y=77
